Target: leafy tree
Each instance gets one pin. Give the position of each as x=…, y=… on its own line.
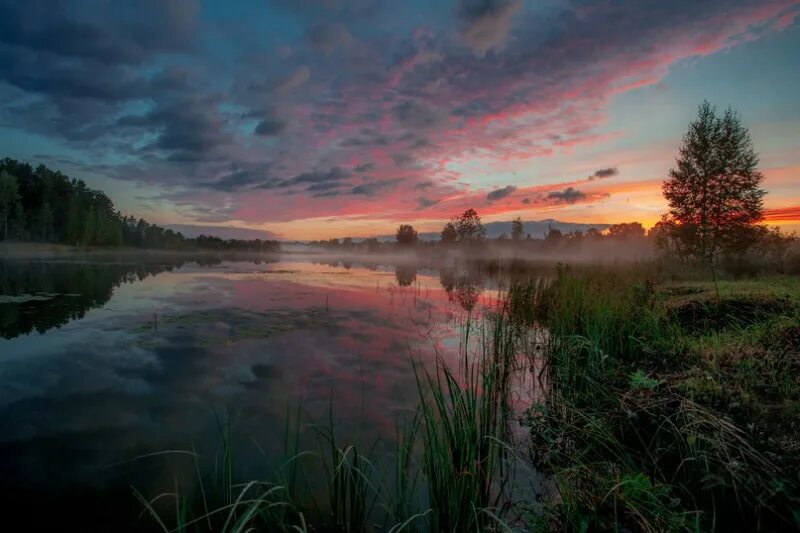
x=45, y=219
x=449, y=233
x=371, y=243
x=469, y=228
x=406, y=235
x=89, y=232
x=19, y=222
x=74, y=219
x=627, y=230
x=553, y=237
x=9, y=196
x=714, y=192
x=594, y=234
x=516, y=229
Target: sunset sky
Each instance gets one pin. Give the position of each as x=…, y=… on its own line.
x=326, y=118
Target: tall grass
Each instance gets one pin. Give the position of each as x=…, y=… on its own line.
x=465, y=456
x=349, y=478
x=227, y=505
x=452, y=461
x=622, y=445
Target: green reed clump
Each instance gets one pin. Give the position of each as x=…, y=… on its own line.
x=350, y=481
x=464, y=424
x=222, y=503
x=403, y=502
x=621, y=443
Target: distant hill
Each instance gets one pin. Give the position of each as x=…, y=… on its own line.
x=536, y=228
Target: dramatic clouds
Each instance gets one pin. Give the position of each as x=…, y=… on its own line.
x=604, y=173
x=497, y=194
x=274, y=111
x=487, y=23
x=570, y=195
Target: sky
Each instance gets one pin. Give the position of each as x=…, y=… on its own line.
x=313, y=119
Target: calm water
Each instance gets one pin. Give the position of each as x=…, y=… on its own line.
x=102, y=362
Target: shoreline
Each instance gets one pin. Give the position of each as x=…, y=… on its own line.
x=37, y=250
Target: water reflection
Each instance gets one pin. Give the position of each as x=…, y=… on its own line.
x=463, y=287
x=38, y=296
x=135, y=358
x=405, y=274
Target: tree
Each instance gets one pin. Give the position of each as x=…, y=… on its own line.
x=371, y=243
x=626, y=230
x=469, y=228
x=19, y=222
x=593, y=234
x=89, y=228
x=406, y=235
x=45, y=219
x=713, y=193
x=74, y=219
x=517, y=229
x=553, y=237
x=9, y=196
x=449, y=233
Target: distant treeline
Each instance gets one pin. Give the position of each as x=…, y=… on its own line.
x=40, y=204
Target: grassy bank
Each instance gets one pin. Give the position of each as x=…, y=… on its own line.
x=667, y=406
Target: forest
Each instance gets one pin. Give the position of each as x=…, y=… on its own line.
x=44, y=205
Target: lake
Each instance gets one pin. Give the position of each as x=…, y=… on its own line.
x=107, y=364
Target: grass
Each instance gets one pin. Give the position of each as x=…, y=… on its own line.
x=465, y=456
x=451, y=470
x=652, y=421
x=660, y=407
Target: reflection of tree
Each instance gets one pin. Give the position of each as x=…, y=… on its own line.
x=464, y=288
x=448, y=278
x=51, y=294
x=208, y=261
x=467, y=294
x=405, y=274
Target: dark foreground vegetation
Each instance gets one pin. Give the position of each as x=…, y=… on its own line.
x=666, y=407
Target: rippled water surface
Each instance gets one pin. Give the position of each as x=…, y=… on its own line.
x=103, y=362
